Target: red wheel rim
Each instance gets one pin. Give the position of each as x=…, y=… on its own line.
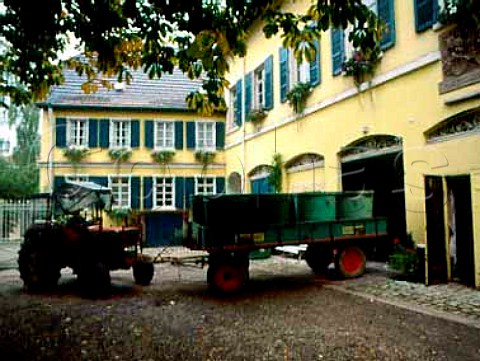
x=228, y=279
x=352, y=260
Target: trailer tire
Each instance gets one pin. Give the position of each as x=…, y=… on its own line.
x=143, y=272
x=227, y=278
x=318, y=258
x=350, y=262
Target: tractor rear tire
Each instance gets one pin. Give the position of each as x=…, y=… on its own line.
x=37, y=266
x=143, y=272
x=350, y=262
x=318, y=258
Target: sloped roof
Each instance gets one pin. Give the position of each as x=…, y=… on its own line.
x=167, y=93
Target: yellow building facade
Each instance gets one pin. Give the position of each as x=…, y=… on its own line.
x=140, y=140
x=410, y=132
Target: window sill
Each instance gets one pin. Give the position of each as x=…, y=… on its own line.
x=454, y=83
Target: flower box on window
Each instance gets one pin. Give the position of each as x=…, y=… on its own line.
x=297, y=97
x=205, y=157
x=120, y=154
x=163, y=156
x=256, y=115
x=75, y=153
x=361, y=67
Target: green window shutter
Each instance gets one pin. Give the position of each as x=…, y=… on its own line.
x=315, y=67
x=338, y=50
x=179, y=192
x=147, y=192
x=61, y=132
x=426, y=14
x=135, y=192
x=135, y=134
x=104, y=140
x=179, y=134
x=284, y=77
x=58, y=181
x=220, y=185
x=190, y=135
x=92, y=133
x=103, y=181
x=248, y=92
x=387, y=15
x=269, y=83
x=238, y=104
x=149, y=134
x=189, y=190
x=220, y=135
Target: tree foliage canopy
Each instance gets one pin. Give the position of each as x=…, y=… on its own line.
x=198, y=36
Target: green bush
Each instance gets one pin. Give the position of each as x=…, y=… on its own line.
x=404, y=260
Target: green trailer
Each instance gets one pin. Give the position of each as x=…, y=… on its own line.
x=338, y=227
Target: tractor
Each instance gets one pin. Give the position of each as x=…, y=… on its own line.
x=72, y=235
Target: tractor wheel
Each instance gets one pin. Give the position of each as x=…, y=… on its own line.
x=318, y=258
x=143, y=272
x=350, y=262
x=94, y=280
x=37, y=266
x=226, y=277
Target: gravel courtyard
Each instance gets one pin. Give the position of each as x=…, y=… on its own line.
x=286, y=313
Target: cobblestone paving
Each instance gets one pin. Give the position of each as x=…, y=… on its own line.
x=452, y=297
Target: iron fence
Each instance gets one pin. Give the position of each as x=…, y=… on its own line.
x=16, y=215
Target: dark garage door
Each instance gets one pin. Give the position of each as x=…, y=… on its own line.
x=160, y=228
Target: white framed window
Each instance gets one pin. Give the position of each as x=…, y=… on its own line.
x=297, y=72
x=164, y=192
x=205, y=186
x=259, y=88
x=77, y=132
x=164, y=135
x=120, y=186
x=76, y=178
x=205, y=135
x=120, y=131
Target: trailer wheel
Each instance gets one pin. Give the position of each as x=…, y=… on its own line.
x=350, y=262
x=143, y=272
x=227, y=278
x=318, y=258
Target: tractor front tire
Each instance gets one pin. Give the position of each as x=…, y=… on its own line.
x=37, y=266
x=143, y=272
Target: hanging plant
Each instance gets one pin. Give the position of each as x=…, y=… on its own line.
x=361, y=67
x=120, y=154
x=297, y=96
x=275, y=176
x=163, y=156
x=256, y=115
x=75, y=154
x=205, y=157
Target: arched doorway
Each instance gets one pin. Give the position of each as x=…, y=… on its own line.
x=234, y=183
x=306, y=172
x=376, y=163
x=259, y=179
